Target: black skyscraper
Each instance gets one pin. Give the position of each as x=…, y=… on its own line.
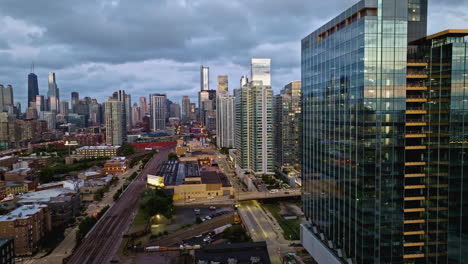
x=33, y=88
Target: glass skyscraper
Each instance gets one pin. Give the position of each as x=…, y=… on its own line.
x=33, y=88
x=384, y=120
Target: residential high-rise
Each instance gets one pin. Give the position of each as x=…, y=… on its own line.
x=128, y=110
x=6, y=97
x=260, y=71
x=158, y=112
x=185, y=108
x=193, y=112
x=222, y=83
x=204, y=78
x=286, y=132
x=254, y=122
x=64, y=108
x=115, y=123
x=75, y=98
x=33, y=87
x=384, y=139
x=121, y=96
x=143, y=107
x=225, y=119
x=174, y=110
x=136, y=111
x=95, y=113
x=50, y=118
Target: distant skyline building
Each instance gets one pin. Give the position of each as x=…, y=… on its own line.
x=115, y=123
x=158, y=109
x=53, y=97
x=185, y=108
x=174, y=110
x=6, y=97
x=120, y=96
x=254, y=121
x=40, y=104
x=260, y=71
x=75, y=98
x=136, y=114
x=287, y=126
x=143, y=107
x=204, y=78
x=128, y=110
x=64, y=108
x=222, y=83
x=33, y=88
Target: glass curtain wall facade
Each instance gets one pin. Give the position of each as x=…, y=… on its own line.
x=353, y=81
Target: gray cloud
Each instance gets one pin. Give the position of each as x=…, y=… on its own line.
x=96, y=47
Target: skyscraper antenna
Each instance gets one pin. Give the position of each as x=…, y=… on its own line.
x=32, y=67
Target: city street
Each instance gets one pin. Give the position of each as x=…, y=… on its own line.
x=263, y=227
x=102, y=242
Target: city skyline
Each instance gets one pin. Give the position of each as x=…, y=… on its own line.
x=172, y=70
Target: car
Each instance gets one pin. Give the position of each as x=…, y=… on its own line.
x=196, y=210
x=212, y=207
x=286, y=192
x=210, y=197
x=200, y=235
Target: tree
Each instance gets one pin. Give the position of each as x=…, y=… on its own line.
x=172, y=156
x=198, y=220
x=155, y=202
x=127, y=149
x=236, y=233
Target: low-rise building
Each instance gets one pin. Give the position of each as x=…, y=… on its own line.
x=3, y=193
x=85, y=139
x=98, y=151
x=64, y=204
x=186, y=180
x=89, y=175
x=13, y=188
x=7, y=251
x=8, y=161
x=116, y=165
x=27, y=225
x=248, y=252
x=20, y=175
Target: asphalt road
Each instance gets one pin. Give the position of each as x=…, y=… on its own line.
x=102, y=242
x=262, y=227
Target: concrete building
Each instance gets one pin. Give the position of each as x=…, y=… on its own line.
x=28, y=225
x=225, y=119
x=158, y=111
x=287, y=126
x=98, y=151
x=185, y=108
x=254, y=121
x=116, y=130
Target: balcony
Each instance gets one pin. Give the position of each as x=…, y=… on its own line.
x=414, y=244
x=416, y=88
x=416, y=99
x=415, y=221
x=420, y=186
x=409, y=134
x=413, y=233
x=415, y=175
x=416, y=163
x=415, y=198
x=415, y=147
x=411, y=256
x=413, y=210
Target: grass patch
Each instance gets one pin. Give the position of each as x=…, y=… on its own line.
x=139, y=223
x=290, y=227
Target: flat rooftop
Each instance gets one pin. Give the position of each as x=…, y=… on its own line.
x=43, y=196
x=22, y=212
x=242, y=252
x=214, y=177
x=98, y=147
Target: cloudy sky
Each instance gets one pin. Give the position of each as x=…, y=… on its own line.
x=143, y=46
